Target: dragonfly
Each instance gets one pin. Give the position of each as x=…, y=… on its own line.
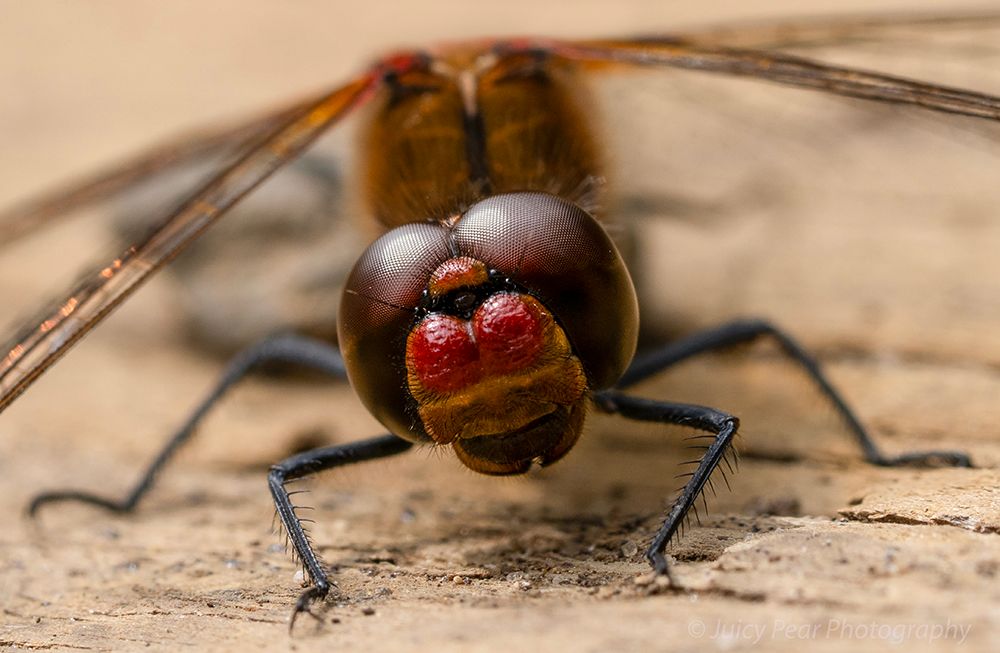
x=495, y=312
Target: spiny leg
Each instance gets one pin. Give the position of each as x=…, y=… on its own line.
x=294, y=349
x=721, y=425
x=307, y=464
x=744, y=331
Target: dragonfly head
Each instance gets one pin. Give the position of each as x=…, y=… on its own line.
x=488, y=333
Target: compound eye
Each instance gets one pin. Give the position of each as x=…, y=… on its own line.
x=560, y=254
x=378, y=308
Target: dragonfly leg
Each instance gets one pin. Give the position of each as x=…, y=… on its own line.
x=722, y=425
x=298, y=350
x=744, y=331
x=307, y=464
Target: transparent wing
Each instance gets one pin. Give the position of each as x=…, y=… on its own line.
x=275, y=263
x=955, y=50
x=25, y=218
x=782, y=69
x=33, y=351
x=917, y=31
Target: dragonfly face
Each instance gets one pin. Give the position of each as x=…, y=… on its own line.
x=487, y=332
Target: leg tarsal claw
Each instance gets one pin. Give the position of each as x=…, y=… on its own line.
x=305, y=602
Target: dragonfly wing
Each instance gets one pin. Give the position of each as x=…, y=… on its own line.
x=34, y=350
x=203, y=144
x=780, y=68
x=910, y=31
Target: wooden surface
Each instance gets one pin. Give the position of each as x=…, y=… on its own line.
x=876, y=245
